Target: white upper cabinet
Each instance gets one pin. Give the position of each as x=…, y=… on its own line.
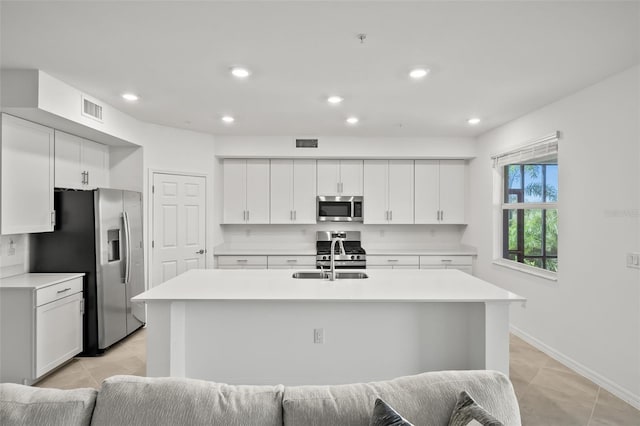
x=80, y=163
x=340, y=177
x=440, y=191
x=26, y=169
x=388, y=191
x=246, y=191
x=293, y=191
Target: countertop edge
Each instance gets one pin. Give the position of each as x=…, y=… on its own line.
x=57, y=277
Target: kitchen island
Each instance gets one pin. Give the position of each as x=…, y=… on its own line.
x=266, y=327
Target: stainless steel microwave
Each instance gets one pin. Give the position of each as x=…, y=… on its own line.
x=339, y=209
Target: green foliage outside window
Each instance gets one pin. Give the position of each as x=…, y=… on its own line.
x=531, y=234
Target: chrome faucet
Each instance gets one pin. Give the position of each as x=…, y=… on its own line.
x=332, y=273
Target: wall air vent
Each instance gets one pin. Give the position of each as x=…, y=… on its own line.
x=306, y=143
x=91, y=109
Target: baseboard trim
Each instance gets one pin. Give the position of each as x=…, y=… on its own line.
x=598, y=379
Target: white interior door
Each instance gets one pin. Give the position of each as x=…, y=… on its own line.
x=179, y=212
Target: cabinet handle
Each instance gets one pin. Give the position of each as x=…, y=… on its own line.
x=338, y=187
x=392, y=260
x=62, y=291
x=87, y=178
x=390, y=214
x=244, y=215
x=248, y=215
x=295, y=215
x=441, y=214
x=242, y=260
x=201, y=251
x=446, y=260
x=292, y=261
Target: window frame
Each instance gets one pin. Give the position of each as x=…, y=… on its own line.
x=539, y=151
x=521, y=207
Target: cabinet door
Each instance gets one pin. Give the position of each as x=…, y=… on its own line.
x=401, y=191
x=68, y=157
x=328, y=177
x=27, y=154
x=376, y=190
x=58, y=332
x=351, y=175
x=95, y=161
x=452, y=191
x=282, y=183
x=257, y=184
x=426, y=191
x=235, y=201
x=304, y=191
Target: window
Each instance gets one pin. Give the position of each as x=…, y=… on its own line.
x=529, y=197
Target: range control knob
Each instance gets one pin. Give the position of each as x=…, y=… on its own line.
x=353, y=257
x=324, y=257
x=358, y=257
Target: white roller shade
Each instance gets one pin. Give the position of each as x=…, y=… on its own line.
x=539, y=151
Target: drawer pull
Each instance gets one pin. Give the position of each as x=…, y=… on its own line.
x=291, y=260
x=446, y=260
x=392, y=260
x=242, y=260
x=62, y=291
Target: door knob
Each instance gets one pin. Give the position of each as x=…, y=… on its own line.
x=201, y=251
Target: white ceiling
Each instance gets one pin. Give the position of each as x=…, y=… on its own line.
x=496, y=60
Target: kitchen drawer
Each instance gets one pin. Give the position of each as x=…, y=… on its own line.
x=240, y=261
x=393, y=260
x=291, y=261
x=445, y=260
x=58, y=291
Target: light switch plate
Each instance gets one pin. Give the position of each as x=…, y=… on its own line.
x=633, y=260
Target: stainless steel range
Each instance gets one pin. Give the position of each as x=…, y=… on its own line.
x=348, y=253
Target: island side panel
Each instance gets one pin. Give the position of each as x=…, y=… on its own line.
x=271, y=342
x=497, y=336
x=158, y=338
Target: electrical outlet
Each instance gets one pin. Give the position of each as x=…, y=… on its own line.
x=633, y=260
x=318, y=335
x=12, y=248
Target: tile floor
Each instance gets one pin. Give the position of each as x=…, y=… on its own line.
x=549, y=393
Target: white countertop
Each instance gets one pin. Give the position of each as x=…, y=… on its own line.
x=442, y=285
x=36, y=281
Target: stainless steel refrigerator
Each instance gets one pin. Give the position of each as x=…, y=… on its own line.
x=99, y=233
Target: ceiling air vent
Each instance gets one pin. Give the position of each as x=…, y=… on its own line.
x=306, y=143
x=91, y=109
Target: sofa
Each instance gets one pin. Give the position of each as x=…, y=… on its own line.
x=423, y=399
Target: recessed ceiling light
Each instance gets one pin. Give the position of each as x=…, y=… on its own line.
x=228, y=119
x=240, y=72
x=473, y=121
x=352, y=120
x=418, y=73
x=335, y=99
x=130, y=97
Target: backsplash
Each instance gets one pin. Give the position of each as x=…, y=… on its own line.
x=14, y=255
x=373, y=236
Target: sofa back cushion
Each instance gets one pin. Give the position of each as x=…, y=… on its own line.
x=425, y=399
x=24, y=405
x=131, y=400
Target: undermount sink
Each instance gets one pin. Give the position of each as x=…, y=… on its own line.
x=321, y=275
x=311, y=275
x=351, y=275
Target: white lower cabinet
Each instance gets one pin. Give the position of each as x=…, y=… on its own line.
x=392, y=262
x=291, y=262
x=242, y=262
x=41, y=326
x=463, y=263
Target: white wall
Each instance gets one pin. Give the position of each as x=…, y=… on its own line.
x=346, y=147
x=590, y=317
x=14, y=255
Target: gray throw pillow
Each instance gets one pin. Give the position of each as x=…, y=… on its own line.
x=384, y=415
x=468, y=412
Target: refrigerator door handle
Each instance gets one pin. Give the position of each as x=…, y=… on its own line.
x=127, y=242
